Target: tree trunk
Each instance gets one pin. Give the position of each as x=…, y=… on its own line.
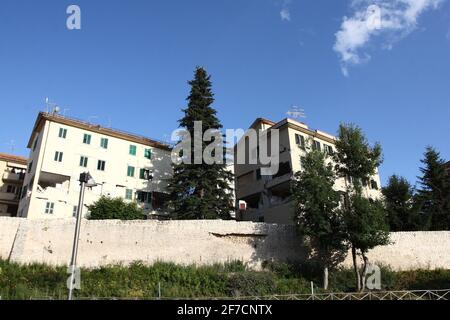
x=355, y=268
x=325, y=278
x=364, y=272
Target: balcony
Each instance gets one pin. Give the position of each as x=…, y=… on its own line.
x=12, y=197
x=13, y=177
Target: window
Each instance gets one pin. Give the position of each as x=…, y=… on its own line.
x=300, y=140
x=132, y=150
x=58, y=156
x=83, y=161
x=317, y=146
x=101, y=165
x=49, y=207
x=10, y=189
x=328, y=149
x=148, y=154
x=302, y=162
x=104, y=143
x=30, y=166
x=87, y=138
x=144, y=197
x=62, y=133
x=74, y=212
x=129, y=194
x=130, y=171
x=373, y=185
x=144, y=174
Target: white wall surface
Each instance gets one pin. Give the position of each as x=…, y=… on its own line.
x=199, y=242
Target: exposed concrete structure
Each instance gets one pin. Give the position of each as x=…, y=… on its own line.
x=122, y=164
x=12, y=173
x=269, y=197
x=194, y=242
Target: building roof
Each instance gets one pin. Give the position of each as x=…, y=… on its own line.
x=262, y=120
x=13, y=158
x=44, y=116
x=300, y=126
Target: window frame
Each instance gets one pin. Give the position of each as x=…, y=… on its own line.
x=87, y=138
x=104, y=143
x=132, y=150
x=84, y=161
x=131, y=171
x=101, y=165
x=49, y=207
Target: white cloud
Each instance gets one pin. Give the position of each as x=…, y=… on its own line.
x=393, y=19
x=285, y=14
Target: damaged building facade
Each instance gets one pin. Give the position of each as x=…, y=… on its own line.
x=12, y=170
x=268, y=198
x=123, y=165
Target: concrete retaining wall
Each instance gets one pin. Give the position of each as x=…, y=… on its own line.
x=188, y=242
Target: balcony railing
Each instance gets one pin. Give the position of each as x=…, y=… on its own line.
x=13, y=177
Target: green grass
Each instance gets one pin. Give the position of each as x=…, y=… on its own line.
x=228, y=280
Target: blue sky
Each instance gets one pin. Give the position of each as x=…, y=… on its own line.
x=129, y=64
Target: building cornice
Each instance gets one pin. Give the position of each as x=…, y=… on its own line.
x=43, y=117
x=13, y=158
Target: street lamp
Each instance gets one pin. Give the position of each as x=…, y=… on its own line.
x=85, y=180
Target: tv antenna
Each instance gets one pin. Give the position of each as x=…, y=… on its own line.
x=11, y=145
x=296, y=112
x=52, y=107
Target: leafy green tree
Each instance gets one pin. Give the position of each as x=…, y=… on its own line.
x=107, y=208
x=365, y=223
x=201, y=190
x=434, y=194
x=316, y=215
x=401, y=212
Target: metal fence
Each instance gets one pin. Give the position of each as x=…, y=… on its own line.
x=369, y=295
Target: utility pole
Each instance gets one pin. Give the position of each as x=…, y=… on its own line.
x=85, y=177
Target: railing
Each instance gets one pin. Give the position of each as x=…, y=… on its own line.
x=11, y=176
x=370, y=295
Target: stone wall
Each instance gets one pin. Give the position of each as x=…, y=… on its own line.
x=188, y=242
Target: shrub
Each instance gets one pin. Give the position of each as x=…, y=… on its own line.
x=115, y=208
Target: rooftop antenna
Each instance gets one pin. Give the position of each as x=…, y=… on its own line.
x=296, y=112
x=92, y=117
x=64, y=111
x=51, y=106
x=12, y=145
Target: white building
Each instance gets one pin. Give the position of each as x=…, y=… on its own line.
x=122, y=164
x=269, y=197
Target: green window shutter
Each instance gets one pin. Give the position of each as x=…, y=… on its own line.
x=130, y=171
x=148, y=154
x=141, y=174
x=87, y=138
x=133, y=150
x=62, y=133
x=104, y=143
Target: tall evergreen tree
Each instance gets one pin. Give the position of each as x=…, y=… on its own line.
x=434, y=194
x=201, y=191
x=365, y=223
x=399, y=205
x=316, y=212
